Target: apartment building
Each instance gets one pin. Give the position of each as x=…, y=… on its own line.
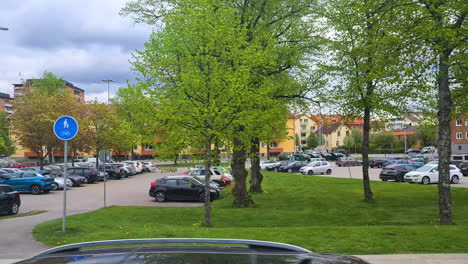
x=5, y=103
x=21, y=88
x=459, y=134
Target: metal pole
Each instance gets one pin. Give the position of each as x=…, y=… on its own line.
x=65, y=155
x=105, y=189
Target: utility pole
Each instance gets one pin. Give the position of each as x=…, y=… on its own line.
x=105, y=152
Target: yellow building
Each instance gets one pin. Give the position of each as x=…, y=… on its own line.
x=335, y=133
x=304, y=126
x=278, y=146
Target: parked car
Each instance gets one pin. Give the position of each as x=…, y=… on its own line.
x=213, y=184
x=316, y=167
x=13, y=165
x=377, y=163
x=271, y=165
x=180, y=189
x=422, y=159
x=396, y=161
x=186, y=250
x=90, y=173
x=293, y=166
x=464, y=168
x=429, y=149
x=138, y=166
x=10, y=170
x=412, y=151
x=328, y=156
x=300, y=157
x=26, y=181
x=265, y=163
x=148, y=166
x=347, y=161
x=430, y=174
x=275, y=167
x=395, y=172
x=53, y=171
x=215, y=175
x=10, y=200
x=113, y=171
x=30, y=164
x=128, y=169
x=60, y=183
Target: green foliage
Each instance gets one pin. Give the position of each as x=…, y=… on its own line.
x=427, y=135
x=313, y=140
x=342, y=223
x=49, y=84
x=7, y=146
x=354, y=139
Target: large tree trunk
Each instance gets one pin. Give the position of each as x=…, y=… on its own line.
x=268, y=151
x=241, y=197
x=368, y=196
x=445, y=109
x=176, y=158
x=256, y=176
x=207, y=179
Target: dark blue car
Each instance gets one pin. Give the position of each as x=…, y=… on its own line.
x=28, y=181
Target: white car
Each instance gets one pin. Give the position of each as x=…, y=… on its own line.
x=138, y=166
x=59, y=183
x=270, y=165
x=316, y=167
x=265, y=163
x=430, y=174
x=149, y=166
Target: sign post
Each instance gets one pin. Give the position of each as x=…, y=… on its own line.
x=65, y=128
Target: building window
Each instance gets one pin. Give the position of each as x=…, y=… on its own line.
x=303, y=142
x=313, y=128
x=337, y=143
x=459, y=135
x=459, y=147
x=466, y=121
x=149, y=147
x=274, y=145
x=459, y=122
x=135, y=147
x=339, y=133
x=303, y=134
x=264, y=145
x=466, y=135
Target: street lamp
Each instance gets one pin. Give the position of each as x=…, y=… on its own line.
x=108, y=81
x=4, y=28
x=105, y=154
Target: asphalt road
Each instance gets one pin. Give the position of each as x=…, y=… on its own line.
x=355, y=172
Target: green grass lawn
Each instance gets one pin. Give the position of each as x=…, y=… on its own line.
x=319, y=213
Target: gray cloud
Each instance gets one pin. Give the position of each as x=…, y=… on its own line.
x=82, y=41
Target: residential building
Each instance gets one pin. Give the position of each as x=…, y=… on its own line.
x=281, y=145
x=303, y=127
x=402, y=122
x=335, y=132
x=5, y=103
x=20, y=89
x=459, y=134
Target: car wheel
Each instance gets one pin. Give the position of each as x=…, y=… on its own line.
x=455, y=179
x=329, y=171
x=275, y=169
x=426, y=180
x=311, y=172
x=54, y=186
x=160, y=197
x=14, y=208
x=202, y=197
x=36, y=189
x=384, y=179
x=289, y=170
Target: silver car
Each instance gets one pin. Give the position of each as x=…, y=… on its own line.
x=316, y=167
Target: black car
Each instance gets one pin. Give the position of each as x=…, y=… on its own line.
x=293, y=166
x=328, y=156
x=114, y=171
x=175, y=188
x=377, y=163
x=186, y=250
x=413, y=151
x=278, y=165
x=395, y=172
x=10, y=200
x=90, y=173
x=77, y=180
x=464, y=168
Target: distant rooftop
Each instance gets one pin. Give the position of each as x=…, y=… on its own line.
x=69, y=84
x=5, y=96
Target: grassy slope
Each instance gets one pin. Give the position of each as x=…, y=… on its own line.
x=318, y=213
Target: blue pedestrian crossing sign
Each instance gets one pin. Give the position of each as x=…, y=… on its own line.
x=65, y=127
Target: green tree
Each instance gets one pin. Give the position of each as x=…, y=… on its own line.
x=364, y=58
x=427, y=135
x=49, y=84
x=440, y=29
x=354, y=139
x=313, y=140
x=36, y=133
x=5, y=135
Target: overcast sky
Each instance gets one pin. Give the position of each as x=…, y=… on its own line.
x=81, y=41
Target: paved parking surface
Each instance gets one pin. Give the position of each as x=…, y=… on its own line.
x=16, y=237
x=355, y=172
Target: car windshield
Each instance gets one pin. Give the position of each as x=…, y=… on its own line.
x=424, y=168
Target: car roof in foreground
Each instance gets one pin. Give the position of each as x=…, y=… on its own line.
x=217, y=251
